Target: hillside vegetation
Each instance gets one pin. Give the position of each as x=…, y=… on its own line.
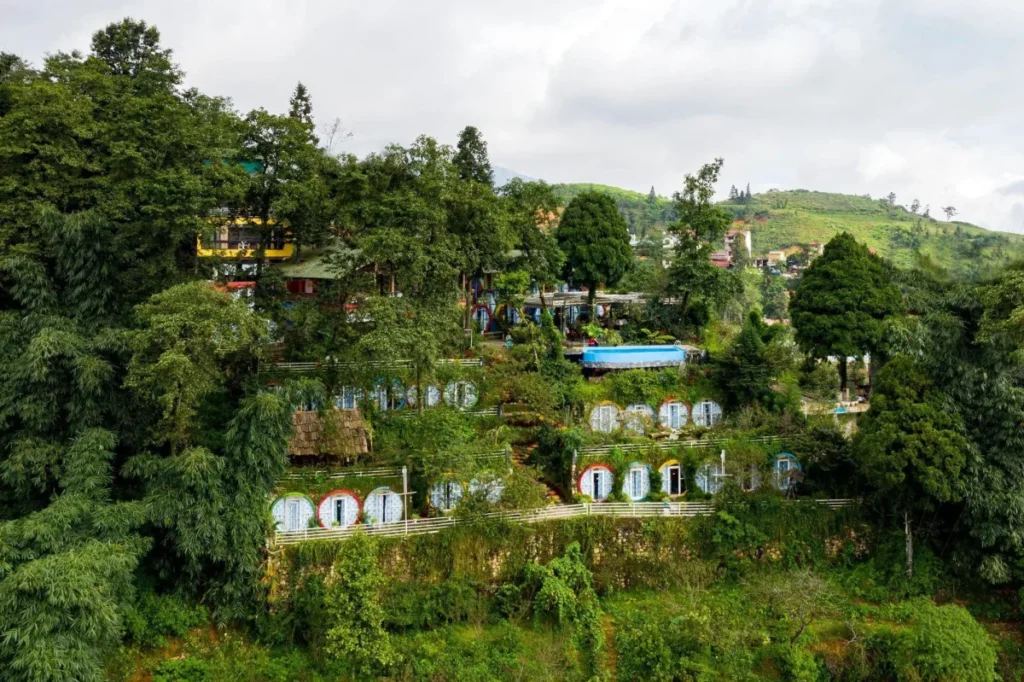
x=785, y=219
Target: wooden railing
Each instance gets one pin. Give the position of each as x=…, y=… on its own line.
x=311, y=366
x=567, y=511
x=604, y=450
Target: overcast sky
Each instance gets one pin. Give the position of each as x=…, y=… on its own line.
x=919, y=97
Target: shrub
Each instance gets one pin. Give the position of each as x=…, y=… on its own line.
x=642, y=651
x=939, y=643
x=158, y=616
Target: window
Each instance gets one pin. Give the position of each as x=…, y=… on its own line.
x=636, y=418
x=460, y=394
x=710, y=477
x=293, y=515
x=604, y=418
x=707, y=413
x=339, y=510
x=673, y=415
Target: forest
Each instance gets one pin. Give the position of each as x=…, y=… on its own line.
x=270, y=411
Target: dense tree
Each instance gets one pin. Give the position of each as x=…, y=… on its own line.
x=841, y=303
x=471, y=160
x=531, y=208
x=910, y=445
x=745, y=371
x=111, y=133
x=475, y=215
x=596, y=243
x=400, y=215
x=300, y=106
x=774, y=297
x=702, y=226
x=67, y=572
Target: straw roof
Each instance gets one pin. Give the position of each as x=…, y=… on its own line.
x=341, y=434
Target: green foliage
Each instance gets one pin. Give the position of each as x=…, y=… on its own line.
x=354, y=603
x=595, y=241
x=192, y=339
x=156, y=617
x=940, y=643
x=701, y=227
x=842, y=301
x=910, y=445
x=746, y=371
x=66, y=572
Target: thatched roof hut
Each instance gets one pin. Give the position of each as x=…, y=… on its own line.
x=340, y=433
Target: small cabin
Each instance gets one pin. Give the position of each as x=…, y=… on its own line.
x=604, y=417
x=292, y=512
x=383, y=505
x=338, y=433
x=339, y=508
x=446, y=494
x=673, y=414
x=637, y=418
x=637, y=483
x=673, y=482
x=460, y=394
x=596, y=481
x=707, y=413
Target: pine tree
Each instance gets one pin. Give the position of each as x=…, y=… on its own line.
x=300, y=106
x=734, y=194
x=652, y=196
x=471, y=160
x=749, y=195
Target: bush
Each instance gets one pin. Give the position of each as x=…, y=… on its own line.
x=642, y=651
x=939, y=643
x=159, y=616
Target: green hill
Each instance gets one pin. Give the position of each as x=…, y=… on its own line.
x=781, y=220
x=643, y=215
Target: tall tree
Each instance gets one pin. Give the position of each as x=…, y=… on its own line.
x=915, y=206
x=111, y=133
x=531, y=209
x=594, y=238
x=841, y=303
x=950, y=211
x=300, y=106
x=745, y=371
x=471, y=160
x=652, y=196
x=911, y=445
x=702, y=225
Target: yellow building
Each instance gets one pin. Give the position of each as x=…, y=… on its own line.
x=240, y=238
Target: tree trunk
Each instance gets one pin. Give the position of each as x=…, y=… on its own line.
x=909, y=544
x=592, y=302
x=842, y=375
x=421, y=397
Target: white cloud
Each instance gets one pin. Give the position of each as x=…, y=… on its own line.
x=910, y=96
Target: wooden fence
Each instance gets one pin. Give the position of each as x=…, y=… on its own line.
x=567, y=511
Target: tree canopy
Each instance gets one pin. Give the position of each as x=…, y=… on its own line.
x=842, y=301
x=595, y=241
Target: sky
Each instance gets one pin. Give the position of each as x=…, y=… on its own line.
x=918, y=97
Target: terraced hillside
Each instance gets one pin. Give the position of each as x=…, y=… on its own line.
x=785, y=219
x=779, y=220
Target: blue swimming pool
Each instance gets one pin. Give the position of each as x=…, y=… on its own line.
x=628, y=357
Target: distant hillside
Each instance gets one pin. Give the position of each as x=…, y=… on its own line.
x=643, y=216
x=780, y=220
